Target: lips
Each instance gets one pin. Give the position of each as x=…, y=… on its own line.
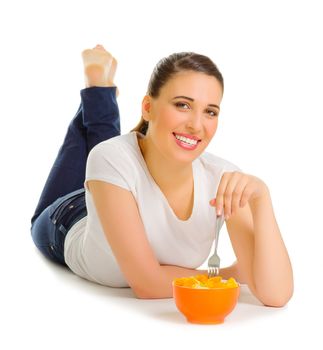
x=185, y=145
x=192, y=137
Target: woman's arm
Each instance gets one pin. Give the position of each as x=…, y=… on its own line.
x=169, y=272
x=262, y=259
x=272, y=268
x=124, y=230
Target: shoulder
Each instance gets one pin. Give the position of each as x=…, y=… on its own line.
x=116, y=148
x=212, y=162
x=112, y=161
x=117, y=152
x=120, y=141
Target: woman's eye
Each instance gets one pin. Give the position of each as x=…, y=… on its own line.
x=215, y=114
x=180, y=104
x=209, y=111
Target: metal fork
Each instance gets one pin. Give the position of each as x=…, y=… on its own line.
x=214, y=261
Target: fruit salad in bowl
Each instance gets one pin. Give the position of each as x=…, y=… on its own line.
x=205, y=300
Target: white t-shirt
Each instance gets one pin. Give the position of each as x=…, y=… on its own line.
x=175, y=242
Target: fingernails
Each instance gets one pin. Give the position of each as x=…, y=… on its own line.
x=218, y=211
x=212, y=201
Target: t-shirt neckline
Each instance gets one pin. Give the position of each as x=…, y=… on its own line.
x=160, y=192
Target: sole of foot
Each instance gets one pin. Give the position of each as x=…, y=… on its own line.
x=99, y=67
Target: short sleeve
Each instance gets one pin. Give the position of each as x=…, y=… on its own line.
x=108, y=162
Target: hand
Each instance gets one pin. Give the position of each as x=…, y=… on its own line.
x=235, y=190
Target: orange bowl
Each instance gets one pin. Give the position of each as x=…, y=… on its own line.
x=206, y=306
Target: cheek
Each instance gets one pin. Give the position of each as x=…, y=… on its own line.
x=167, y=119
x=215, y=128
x=211, y=128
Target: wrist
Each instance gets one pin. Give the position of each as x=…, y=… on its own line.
x=264, y=196
x=262, y=211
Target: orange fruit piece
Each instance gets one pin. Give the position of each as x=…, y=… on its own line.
x=216, y=279
x=232, y=282
x=204, y=281
x=201, y=278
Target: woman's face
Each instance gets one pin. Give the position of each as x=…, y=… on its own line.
x=189, y=104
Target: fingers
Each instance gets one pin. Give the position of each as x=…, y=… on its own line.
x=219, y=199
x=231, y=193
x=237, y=193
x=245, y=196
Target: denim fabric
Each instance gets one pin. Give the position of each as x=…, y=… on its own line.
x=62, y=201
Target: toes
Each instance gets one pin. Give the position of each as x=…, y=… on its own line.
x=99, y=47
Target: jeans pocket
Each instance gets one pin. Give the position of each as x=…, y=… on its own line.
x=62, y=209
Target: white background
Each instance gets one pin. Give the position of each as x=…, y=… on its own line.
x=270, y=54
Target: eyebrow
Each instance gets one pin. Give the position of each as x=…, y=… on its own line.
x=191, y=99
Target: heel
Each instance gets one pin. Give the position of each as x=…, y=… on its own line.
x=97, y=65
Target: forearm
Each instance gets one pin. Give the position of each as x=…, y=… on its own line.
x=162, y=287
x=271, y=267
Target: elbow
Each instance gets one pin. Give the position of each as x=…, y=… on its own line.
x=278, y=299
x=157, y=285
x=274, y=294
x=142, y=293
x=142, y=297
x=151, y=295
x=145, y=296
x=275, y=302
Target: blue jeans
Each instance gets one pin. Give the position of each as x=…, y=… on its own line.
x=62, y=201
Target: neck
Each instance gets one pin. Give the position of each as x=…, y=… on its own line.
x=169, y=176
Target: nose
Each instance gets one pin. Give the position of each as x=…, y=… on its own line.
x=195, y=121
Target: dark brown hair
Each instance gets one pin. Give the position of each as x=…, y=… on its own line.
x=167, y=67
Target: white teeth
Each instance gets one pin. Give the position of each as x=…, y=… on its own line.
x=187, y=140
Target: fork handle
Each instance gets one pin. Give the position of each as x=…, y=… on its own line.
x=218, y=225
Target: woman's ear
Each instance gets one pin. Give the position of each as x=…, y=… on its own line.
x=145, y=108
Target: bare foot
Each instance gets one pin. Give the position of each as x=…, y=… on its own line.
x=99, y=67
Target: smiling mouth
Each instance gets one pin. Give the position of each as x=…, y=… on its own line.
x=185, y=142
x=188, y=140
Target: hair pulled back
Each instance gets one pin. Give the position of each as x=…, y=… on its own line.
x=169, y=66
